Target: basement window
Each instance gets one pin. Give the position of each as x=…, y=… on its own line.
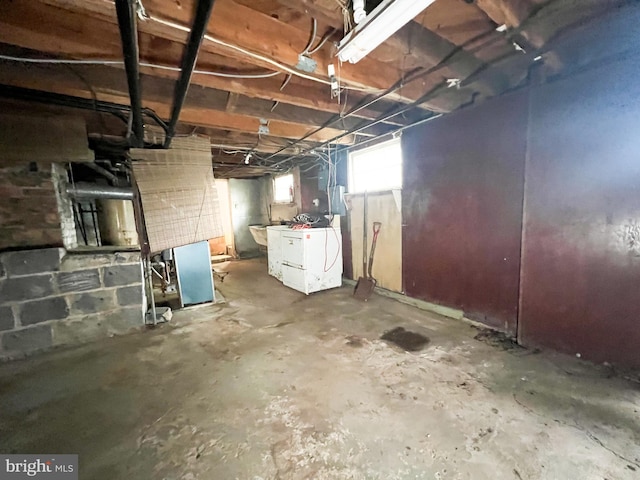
x=283, y=189
x=376, y=168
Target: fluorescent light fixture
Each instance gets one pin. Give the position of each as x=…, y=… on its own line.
x=388, y=17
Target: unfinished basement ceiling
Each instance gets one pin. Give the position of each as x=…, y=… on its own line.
x=451, y=55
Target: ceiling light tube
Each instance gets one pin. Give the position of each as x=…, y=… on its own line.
x=388, y=17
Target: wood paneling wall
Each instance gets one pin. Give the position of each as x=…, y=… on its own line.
x=387, y=265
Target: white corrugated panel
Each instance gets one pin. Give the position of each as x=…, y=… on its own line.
x=178, y=193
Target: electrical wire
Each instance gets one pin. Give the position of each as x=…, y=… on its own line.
x=285, y=83
x=341, y=3
x=215, y=74
x=365, y=103
x=326, y=238
x=422, y=72
x=234, y=152
x=59, y=61
x=330, y=168
x=323, y=40
x=314, y=30
x=94, y=96
x=257, y=56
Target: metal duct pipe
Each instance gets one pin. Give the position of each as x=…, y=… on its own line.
x=127, y=22
x=84, y=190
x=203, y=13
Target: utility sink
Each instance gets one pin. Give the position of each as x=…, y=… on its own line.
x=259, y=233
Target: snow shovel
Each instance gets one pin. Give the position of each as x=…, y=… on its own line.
x=364, y=287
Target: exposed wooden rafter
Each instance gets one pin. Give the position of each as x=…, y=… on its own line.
x=448, y=57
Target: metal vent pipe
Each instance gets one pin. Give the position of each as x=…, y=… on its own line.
x=82, y=190
x=126, y=12
x=189, y=59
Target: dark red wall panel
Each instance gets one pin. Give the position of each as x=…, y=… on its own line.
x=462, y=210
x=581, y=250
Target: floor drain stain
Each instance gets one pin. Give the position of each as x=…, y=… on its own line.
x=409, y=341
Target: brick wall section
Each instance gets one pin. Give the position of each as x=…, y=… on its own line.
x=29, y=210
x=49, y=297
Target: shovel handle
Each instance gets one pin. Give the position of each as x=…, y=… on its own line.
x=376, y=231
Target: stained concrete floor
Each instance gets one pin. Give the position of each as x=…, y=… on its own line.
x=276, y=385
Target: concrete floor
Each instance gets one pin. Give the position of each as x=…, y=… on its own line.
x=276, y=385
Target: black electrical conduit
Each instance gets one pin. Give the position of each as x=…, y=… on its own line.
x=119, y=110
x=426, y=97
x=127, y=22
x=418, y=73
x=396, y=111
x=412, y=77
x=196, y=35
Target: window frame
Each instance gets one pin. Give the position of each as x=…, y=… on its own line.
x=363, y=151
x=292, y=196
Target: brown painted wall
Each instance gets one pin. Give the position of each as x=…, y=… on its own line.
x=576, y=145
x=581, y=263
x=462, y=210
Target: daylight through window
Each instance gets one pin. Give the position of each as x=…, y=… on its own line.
x=376, y=168
x=283, y=189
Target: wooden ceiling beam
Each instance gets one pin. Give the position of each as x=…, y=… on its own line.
x=425, y=42
x=269, y=37
x=507, y=12
x=193, y=112
x=104, y=124
x=255, y=32
x=458, y=21
x=41, y=27
x=220, y=141
x=85, y=80
x=265, y=109
x=542, y=20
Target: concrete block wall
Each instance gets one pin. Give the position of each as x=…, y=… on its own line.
x=49, y=297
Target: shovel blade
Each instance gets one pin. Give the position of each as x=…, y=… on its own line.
x=364, y=288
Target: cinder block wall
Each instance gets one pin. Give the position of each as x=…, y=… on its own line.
x=49, y=297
